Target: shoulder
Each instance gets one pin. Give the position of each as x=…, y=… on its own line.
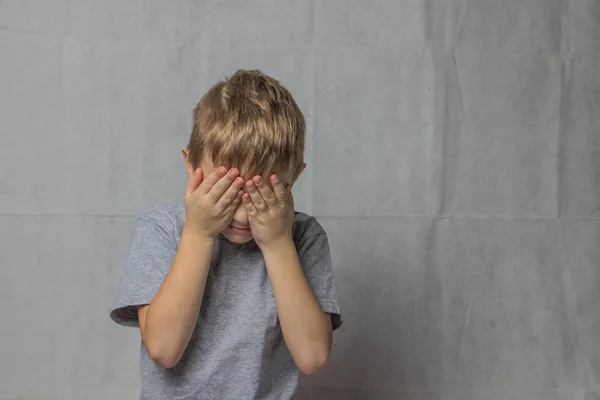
x=306, y=226
x=168, y=217
x=165, y=214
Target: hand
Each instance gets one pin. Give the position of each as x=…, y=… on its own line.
x=210, y=203
x=270, y=211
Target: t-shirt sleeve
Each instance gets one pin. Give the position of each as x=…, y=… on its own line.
x=149, y=258
x=315, y=259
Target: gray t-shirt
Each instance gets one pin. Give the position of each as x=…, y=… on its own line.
x=237, y=350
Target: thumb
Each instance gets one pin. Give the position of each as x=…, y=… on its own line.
x=194, y=181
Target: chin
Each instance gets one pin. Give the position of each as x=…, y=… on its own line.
x=237, y=238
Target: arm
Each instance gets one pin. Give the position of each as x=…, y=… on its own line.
x=168, y=322
x=306, y=328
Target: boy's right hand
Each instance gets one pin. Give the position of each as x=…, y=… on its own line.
x=211, y=202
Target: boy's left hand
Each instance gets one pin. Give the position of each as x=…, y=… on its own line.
x=270, y=211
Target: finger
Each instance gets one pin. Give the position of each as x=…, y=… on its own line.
x=249, y=206
x=255, y=196
x=222, y=184
x=280, y=191
x=211, y=179
x=194, y=181
x=265, y=191
x=234, y=203
x=230, y=194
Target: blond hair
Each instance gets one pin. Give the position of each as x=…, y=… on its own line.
x=251, y=122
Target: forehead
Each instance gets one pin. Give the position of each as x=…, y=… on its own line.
x=248, y=172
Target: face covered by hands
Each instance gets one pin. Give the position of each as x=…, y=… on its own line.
x=270, y=210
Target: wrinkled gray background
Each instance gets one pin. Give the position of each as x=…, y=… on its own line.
x=453, y=158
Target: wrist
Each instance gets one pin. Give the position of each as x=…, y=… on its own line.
x=277, y=247
x=196, y=235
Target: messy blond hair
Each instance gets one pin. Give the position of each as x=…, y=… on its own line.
x=251, y=122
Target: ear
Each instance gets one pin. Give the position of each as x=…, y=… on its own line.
x=299, y=173
x=186, y=160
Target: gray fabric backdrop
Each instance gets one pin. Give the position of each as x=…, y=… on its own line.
x=453, y=158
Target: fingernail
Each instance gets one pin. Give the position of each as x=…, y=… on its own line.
x=257, y=179
x=274, y=178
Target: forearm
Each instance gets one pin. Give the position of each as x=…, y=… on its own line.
x=306, y=328
x=173, y=313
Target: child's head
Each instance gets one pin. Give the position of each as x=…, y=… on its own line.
x=250, y=122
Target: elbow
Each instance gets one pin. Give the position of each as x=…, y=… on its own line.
x=165, y=361
x=163, y=357
x=313, y=363
x=310, y=370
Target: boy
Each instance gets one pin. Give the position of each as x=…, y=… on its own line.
x=232, y=291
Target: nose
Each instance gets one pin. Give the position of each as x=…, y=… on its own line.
x=240, y=216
